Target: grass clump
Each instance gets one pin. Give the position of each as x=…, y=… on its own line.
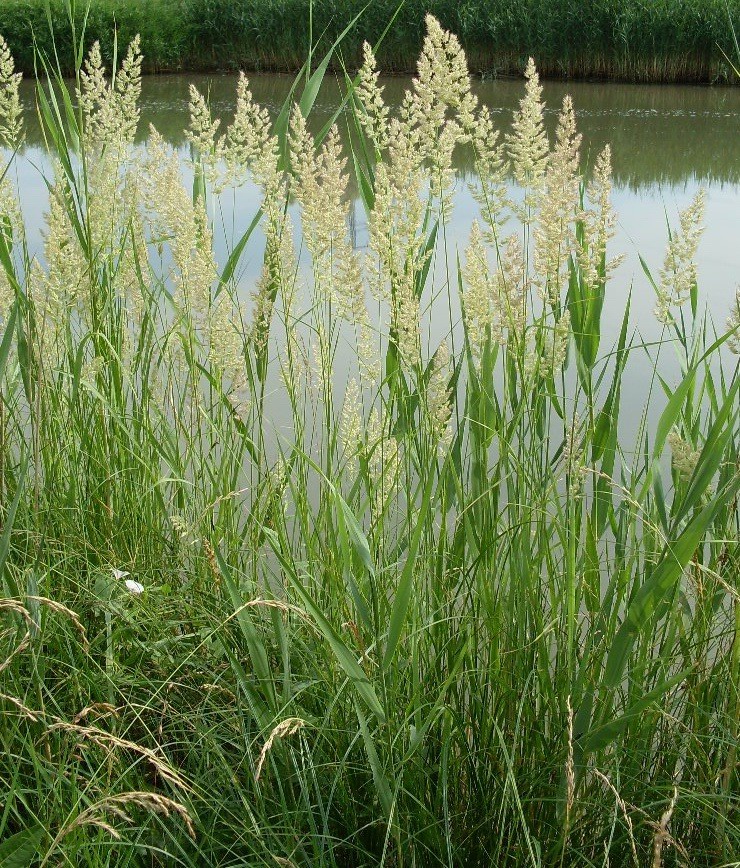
x=441, y=612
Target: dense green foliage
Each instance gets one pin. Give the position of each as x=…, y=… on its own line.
x=661, y=40
x=451, y=618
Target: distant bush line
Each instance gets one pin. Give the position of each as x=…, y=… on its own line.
x=628, y=40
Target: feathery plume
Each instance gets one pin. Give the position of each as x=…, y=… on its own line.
x=226, y=345
x=383, y=456
x=405, y=313
x=733, y=324
x=441, y=90
x=11, y=112
x=553, y=234
x=598, y=224
x=678, y=274
x=320, y=185
x=110, y=112
x=277, y=278
x=573, y=455
x=128, y=90
x=202, y=133
x=59, y=288
x=374, y=112
x=561, y=335
x=438, y=396
x=12, y=229
x=184, y=224
x=350, y=423
x=527, y=145
x=554, y=350
x=285, y=728
x=480, y=313
x=511, y=287
x=685, y=457
x=250, y=144
x=490, y=192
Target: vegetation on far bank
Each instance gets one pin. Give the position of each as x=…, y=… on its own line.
x=372, y=561
x=630, y=40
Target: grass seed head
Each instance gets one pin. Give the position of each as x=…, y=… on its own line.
x=11, y=111
x=678, y=274
x=528, y=146
x=733, y=324
x=284, y=729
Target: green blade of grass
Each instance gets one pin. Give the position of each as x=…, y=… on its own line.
x=346, y=659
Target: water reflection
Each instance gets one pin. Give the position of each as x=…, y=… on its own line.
x=660, y=135
x=666, y=142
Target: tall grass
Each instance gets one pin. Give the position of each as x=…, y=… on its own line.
x=442, y=614
x=666, y=40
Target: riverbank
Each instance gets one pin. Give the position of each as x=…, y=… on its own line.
x=325, y=553
x=623, y=40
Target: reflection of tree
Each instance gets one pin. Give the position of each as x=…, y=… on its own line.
x=662, y=134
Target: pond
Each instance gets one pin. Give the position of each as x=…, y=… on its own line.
x=667, y=142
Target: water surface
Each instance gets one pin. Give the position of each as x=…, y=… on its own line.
x=667, y=142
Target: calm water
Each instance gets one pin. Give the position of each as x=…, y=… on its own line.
x=667, y=142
